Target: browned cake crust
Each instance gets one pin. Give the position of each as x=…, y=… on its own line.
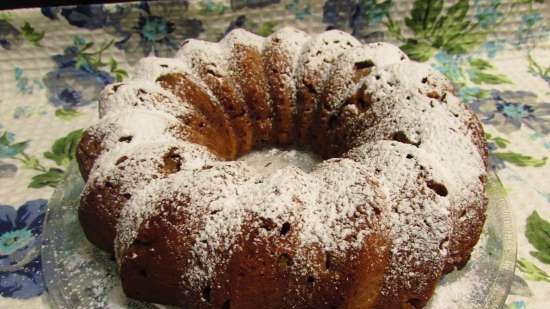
x=223, y=140
x=397, y=203
x=327, y=280
x=247, y=71
x=318, y=56
x=216, y=76
x=280, y=59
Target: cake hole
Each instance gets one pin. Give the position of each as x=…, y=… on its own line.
x=277, y=40
x=463, y=213
x=163, y=65
x=142, y=242
x=364, y=102
x=206, y=293
x=443, y=243
x=401, y=137
x=285, y=260
x=285, y=228
x=408, y=98
x=328, y=260
x=121, y=160
x=437, y=187
x=109, y=184
x=213, y=73
x=402, y=57
x=377, y=171
x=127, y=196
x=415, y=302
x=367, y=64
x=125, y=139
x=433, y=94
x=482, y=178
x=143, y=273
x=376, y=210
x=377, y=77
x=115, y=87
x=333, y=121
x=226, y=304
x=310, y=88
x=207, y=167
x=426, y=223
x=172, y=162
x=336, y=41
x=409, y=156
x=310, y=279
x=348, y=43
x=267, y=224
x=141, y=91
x=424, y=80
x=318, y=53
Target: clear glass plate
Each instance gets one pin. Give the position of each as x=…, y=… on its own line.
x=80, y=276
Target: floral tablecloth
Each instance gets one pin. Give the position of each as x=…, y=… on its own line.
x=55, y=60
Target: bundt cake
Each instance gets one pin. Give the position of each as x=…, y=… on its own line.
x=396, y=201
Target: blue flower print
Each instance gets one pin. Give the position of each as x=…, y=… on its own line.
x=510, y=110
x=450, y=66
x=69, y=86
x=361, y=16
x=492, y=47
x=23, y=283
x=488, y=14
x=154, y=28
x=20, y=233
x=83, y=16
x=20, y=240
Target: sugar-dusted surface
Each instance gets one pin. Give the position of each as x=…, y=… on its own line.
x=354, y=63
x=408, y=137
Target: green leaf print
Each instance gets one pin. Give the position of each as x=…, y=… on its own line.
x=448, y=30
x=31, y=34
x=532, y=271
x=538, y=233
x=67, y=113
x=120, y=74
x=10, y=149
x=418, y=51
x=51, y=178
x=424, y=14
x=500, y=142
x=481, y=77
x=480, y=73
x=519, y=159
x=266, y=28
x=64, y=149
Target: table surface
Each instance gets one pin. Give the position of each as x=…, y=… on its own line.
x=54, y=62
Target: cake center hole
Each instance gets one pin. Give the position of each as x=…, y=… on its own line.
x=267, y=161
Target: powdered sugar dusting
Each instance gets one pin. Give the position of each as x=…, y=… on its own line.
x=365, y=57
x=321, y=207
x=151, y=68
x=241, y=36
x=319, y=54
x=414, y=162
x=137, y=126
x=140, y=93
x=203, y=56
